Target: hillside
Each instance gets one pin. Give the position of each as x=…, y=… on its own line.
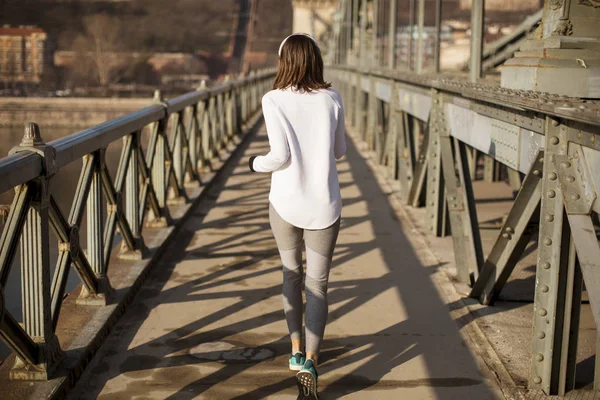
x=99, y=43
x=146, y=25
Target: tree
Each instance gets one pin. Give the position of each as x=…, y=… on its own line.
x=100, y=45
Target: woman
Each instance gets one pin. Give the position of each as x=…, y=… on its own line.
x=304, y=118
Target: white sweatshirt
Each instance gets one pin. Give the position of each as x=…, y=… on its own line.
x=306, y=134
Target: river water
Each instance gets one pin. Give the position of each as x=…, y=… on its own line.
x=63, y=188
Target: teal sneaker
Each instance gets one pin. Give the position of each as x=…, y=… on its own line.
x=297, y=361
x=307, y=381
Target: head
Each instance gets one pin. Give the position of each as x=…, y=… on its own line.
x=300, y=64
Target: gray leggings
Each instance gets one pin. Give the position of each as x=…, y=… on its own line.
x=319, y=250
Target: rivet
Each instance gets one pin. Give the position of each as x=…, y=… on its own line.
x=537, y=380
x=509, y=229
x=548, y=242
x=539, y=357
x=536, y=172
x=541, y=335
x=565, y=164
x=552, y=176
x=554, y=122
x=544, y=289
x=554, y=140
x=546, y=265
x=505, y=235
x=549, y=217
x=551, y=194
x=571, y=178
x=543, y=312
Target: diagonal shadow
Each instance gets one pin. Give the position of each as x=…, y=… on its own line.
x=376, y=355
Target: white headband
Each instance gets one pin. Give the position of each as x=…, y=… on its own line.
x=297, y=34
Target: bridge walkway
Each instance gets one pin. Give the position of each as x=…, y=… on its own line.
x=208, y=322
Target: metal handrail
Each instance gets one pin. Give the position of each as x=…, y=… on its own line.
x=17, y=169
x=186, y=134
x=575, y=109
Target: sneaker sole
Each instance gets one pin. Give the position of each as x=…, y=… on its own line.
x=307, y=386
x=295, y=367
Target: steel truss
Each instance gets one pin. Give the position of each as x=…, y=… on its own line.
x=428, y=131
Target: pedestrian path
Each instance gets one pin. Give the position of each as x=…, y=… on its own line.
x=208, y=323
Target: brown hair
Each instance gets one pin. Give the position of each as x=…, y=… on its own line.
x=300, y=65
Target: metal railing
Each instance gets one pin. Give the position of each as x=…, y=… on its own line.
x=428, y=130
x=185, y=134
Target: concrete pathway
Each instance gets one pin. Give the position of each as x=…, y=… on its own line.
x=209, y=324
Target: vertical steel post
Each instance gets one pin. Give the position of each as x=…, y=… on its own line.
x=355, y=33
x=438, y=35
x=362, y=59
x=133, y=189
x=571, y=318
x=372, y=126
x=411, y=30
x=178, y=147
x=95, y=233
x=375, y=34
x=489, y=168
x=348, y=25
x=477, y=30
x=35, y=273
x=552, y=269
x=435, y=179
x=193, y=148
x=420, y=33
x=392, y=34
x=158, y=163
x=35, y=283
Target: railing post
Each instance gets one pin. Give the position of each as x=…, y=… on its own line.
x=178, y=148
x=35, y=268
x=95, y=235
x=158, y=166
x=229, y=111
x=132, y=200
x=193, y=152
x=133, y=189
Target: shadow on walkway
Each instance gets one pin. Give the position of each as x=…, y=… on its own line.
x=389, y=332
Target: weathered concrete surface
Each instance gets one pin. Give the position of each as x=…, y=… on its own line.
x=209, y=323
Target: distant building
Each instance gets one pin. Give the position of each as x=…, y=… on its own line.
x=21, y=54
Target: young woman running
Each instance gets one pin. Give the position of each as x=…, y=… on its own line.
x=304, y=118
